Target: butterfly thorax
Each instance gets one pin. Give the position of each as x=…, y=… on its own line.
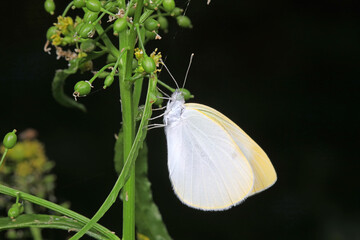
x=174, y=108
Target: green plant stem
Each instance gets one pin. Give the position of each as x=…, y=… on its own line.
x=35, y=232
x=128, y=113
x=100, y=71
x=166, y=86
x=57, y=208
x=3, y=156
x=129, y=163
x=111, y=48
x=67, y=8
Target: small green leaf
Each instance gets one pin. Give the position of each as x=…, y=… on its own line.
x=58, y=87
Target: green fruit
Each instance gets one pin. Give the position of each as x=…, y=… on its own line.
x=111, y=7
x=150, y=35
x=108, y=81
x=82, y=88
x=151, y=24
x=119, y=25
x=79, y=3
x=164, y=24
x=50, y=32
x=88, y=45
x=159, y=100
x=168, y=5
x=93, y=5
x=15, y=210
x=134, y=64
x=184, y=21
x=176, y=12
x=90, y=17
x=49, y=6
x=86, y=30
x=10, y=140
x=148, y=64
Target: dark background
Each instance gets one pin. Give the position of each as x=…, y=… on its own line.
x=285, y=71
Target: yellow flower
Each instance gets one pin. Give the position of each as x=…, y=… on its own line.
x=138, y=53
x=23, y=169
x=56, y=39
x=64, y=24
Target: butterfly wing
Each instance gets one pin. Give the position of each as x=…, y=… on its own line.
x=207, y=169
x=264, y=172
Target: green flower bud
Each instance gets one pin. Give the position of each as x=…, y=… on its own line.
x=82, y=88
x=10, y=139
x=93, y=5
x=86, y=30
x=119, y=25
x=151, y=24
x=79, y=3
x=184, y=22
x=49, y=6
x=108, y=81
x=50, y=32
x=168, y=5
x=148, y=64
x=88, y=45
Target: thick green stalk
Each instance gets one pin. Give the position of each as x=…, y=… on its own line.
x=128, y=39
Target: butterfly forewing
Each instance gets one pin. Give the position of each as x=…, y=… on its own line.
x=207, y=169
x=264, y=172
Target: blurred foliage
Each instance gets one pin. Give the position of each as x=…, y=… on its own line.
x=27, y=168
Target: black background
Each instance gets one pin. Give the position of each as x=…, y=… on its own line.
x=286, y=71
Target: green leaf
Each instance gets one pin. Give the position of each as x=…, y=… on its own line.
x=58, y=86
x=147, y=217
x=46, y=221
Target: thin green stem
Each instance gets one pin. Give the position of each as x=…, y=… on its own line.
x=166, y=86
x=3, y=156
x=35, y=232
x=100, y=71
x=67, y=8
x=57, y=208
x=111, y=48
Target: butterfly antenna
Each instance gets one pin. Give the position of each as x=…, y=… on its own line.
x=187, y=71
x=164, y=93
x=162, y=62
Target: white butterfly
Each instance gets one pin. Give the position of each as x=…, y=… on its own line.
x=213, y=164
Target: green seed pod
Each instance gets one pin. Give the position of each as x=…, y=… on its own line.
x=15, y=210
x=86, y=30
x=159, y=100
x=108, y=81
x=82, y=88
x=90, y=16
x=184, y=22
x=119, y=25
x=186, y=93
x=111, y=7
x=93, y=5
x=134, y=64
x=10, y=139
x=79, y=3
x=151, y=24
x=148, y=64
x=78, y=28
x=168, y=5
x=164, y=24
x=88, y=45
x=49, y=6
x=150, y=35
x=50, y=32
x=176, y=12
